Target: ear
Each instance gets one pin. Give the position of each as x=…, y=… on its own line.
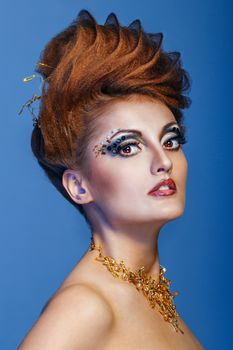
x=76, y=186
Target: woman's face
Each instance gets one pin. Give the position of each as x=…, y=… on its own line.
x=120, y=181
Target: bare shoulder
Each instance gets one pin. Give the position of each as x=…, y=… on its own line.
x=189, y=336
x=70, y=317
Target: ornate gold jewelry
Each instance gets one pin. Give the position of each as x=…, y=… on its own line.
x=35, y=97
x=30, y=108
x=42, y=64
x=158, y=294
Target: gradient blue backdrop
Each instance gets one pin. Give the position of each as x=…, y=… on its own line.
x=43, y=236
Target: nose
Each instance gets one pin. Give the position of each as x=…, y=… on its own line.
x=161, y=161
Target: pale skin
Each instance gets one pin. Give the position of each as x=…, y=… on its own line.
x=126, y=223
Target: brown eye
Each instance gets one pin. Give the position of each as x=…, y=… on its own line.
x=173, y=141
x=127, y=148
x=169, y=143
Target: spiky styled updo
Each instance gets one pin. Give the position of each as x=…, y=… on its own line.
x=90, y=66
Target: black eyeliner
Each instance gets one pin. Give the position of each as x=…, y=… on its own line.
x=115, y=145
x=179, y=132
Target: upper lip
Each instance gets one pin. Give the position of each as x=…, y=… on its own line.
x=169, y=182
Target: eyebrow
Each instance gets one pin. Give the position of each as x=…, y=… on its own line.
x=166, y=128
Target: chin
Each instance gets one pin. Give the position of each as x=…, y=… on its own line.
x=171, y=211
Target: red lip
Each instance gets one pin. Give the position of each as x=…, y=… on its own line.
x=168, y=182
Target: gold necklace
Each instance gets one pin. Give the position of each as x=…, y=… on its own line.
x=158, y=294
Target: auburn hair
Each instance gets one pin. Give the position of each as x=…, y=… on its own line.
x=86, y=67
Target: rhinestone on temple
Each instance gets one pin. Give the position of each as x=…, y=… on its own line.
x=103, y=146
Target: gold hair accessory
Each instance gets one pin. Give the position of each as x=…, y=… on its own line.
x=158, y=294
x=35, y=97
x=43, y=65
x=28, y=105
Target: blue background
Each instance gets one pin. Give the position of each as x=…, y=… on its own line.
x=43, y=236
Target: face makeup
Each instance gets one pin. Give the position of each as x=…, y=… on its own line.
x=164, y=188
x=100, y=148
x=149, y=152
x=118, y=145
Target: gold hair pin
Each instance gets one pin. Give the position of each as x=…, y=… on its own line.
x=44, y=65
x=35, y=97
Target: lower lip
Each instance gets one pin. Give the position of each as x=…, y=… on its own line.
x=162, y=193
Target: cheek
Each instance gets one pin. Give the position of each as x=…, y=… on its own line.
x=105, y=181
x=181, y=171
x=184, y=167
x=115, y=180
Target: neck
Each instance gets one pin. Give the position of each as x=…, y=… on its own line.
x=136, y=246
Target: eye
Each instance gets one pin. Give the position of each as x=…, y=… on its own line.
x=125, y=149
x=175, y=142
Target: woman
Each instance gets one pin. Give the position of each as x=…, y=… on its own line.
x=109, y=136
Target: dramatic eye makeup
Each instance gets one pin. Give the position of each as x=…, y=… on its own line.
x=114, y=146
x=174, y=142
x=121, y=144
x=127, y=145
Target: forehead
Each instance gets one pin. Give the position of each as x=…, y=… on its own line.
x=145, y=115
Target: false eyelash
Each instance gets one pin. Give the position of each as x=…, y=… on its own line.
x=181, y=138
x=124, y=144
